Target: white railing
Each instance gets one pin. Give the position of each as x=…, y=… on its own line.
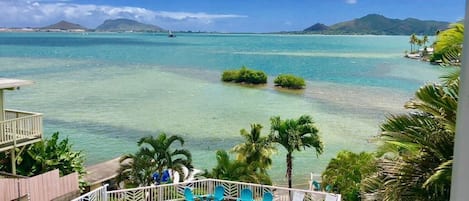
x=20, y=126
x=99, y=194
x=175, y=192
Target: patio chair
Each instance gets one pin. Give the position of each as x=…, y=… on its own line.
x=189, y=196
x=316, y=185
x=268, y=196
x=219, y=193
x=246, y=195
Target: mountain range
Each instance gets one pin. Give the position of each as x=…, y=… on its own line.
x=375, y=24
x=121, y=25
x=372, y=24
x=64, y=25
x=115, y=25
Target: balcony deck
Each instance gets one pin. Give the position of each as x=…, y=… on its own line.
x=20, y=128
x=174, y=192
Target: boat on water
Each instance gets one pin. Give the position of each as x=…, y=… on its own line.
x=171, y=35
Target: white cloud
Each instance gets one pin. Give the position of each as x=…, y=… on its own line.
x=41, y=13
x=351, y=1
x=203, y=17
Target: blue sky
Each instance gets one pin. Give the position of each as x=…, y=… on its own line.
x=222, y=15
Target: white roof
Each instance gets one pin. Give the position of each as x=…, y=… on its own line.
x=7, y=83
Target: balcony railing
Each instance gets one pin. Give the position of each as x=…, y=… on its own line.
x=175, y=192
x=20, y=128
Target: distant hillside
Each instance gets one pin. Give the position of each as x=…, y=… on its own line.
x=317, y=27
x=119, y=25
x=380, y=25
x=64, y=25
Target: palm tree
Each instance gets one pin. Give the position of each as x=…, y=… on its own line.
x=295, y=134
x=136, y=170
x=154, y=155
x=256, y=150
x=448, y=45
x=413, y=40
x=419, y=146
x=236, y=170
x=425, y=40
x=159, y=150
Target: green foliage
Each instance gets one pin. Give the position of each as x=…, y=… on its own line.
x=236, y=170
x=230, y=75
x=448, y=45
x=421, y=143
x=244, y=75
x=253, y=159
x=45, y=156
x=290, y=81
x=154, y=155
x=256, y=150
x=346, y=171
x=136, y=170
x=295, y=135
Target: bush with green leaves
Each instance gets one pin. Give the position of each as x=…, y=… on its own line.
x=230, y=75
x=244, y=75
x=345, y=172
x=45, y=156
x=289, y=81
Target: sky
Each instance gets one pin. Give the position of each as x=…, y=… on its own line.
x=222, y=15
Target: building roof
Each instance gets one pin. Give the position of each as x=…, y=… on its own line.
x=7, y=83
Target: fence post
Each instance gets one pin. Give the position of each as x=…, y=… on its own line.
x=160, y=192
x=104, y=192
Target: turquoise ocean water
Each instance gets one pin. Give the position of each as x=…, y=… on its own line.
x=105, y=91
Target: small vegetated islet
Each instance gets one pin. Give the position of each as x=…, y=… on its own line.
x=244, y=75
x=289, y=81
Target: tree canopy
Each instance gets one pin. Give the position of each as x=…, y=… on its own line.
x=154, y=156
x=295, y=135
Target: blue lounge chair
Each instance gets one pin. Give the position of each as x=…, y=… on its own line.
x=165, y=179
x=268, y=196
x=219, y=193
x=189, y=196
x=246, y=195
x=317, y=185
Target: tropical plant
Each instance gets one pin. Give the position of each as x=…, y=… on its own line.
x=136, y=170
x=289, y=81
x=345, y=172
x=244, y=75
x=425, y=40
x=46, y=155
x=155, y=155
x=448, y=45
x=295, y=135
x=236, y=170
x=256, y=150
x=418, y=147
x=413, y=41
